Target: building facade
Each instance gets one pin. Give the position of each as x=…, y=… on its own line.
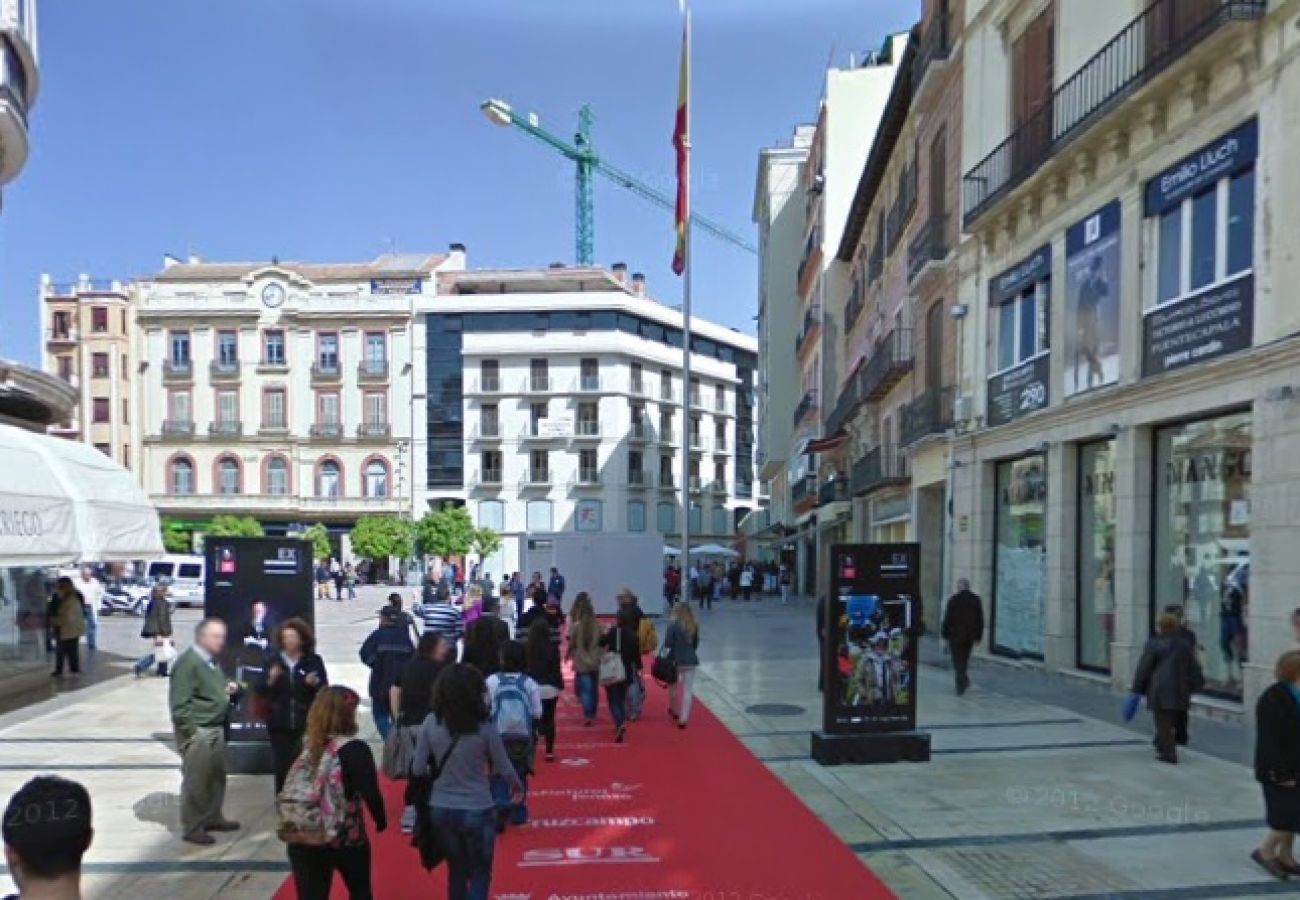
x=553, y=401
x=89, y=342
x=19, y=82
x=282, y=391
x=1130, y=353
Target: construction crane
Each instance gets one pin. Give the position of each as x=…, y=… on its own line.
x=588, y=163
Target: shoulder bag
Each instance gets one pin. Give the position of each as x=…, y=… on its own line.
x=664, y=668
x=612, y=670
x=426, y=838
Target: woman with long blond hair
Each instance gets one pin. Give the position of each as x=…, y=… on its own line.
x=332, y=730
x=585, y=652
x=682, y=641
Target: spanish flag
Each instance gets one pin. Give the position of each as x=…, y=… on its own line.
x=682, y=143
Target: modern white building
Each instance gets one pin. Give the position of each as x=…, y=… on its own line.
x=553, y=401
x=19, y=80
x=281, y=390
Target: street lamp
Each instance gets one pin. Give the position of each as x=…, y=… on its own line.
x=497, y=111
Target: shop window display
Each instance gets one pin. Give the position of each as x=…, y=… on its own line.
x=1202, y=550
x=1096, y=554
x=1019, y=590
x=23, y=593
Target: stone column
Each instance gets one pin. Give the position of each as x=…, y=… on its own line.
x=1133, y=504
x=1060, y=621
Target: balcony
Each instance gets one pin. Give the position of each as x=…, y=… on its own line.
x=176, y=429
x=696, y=484
x=857, y=303
x=718, y=487
x=639, y=433
x=536, y=478
x=889, y=362
x=486, y=478
x=372, y=370
x=227, y=429
x=722, y=405
x=224, y=370
x=934, y=48
x=844, y=407
x=490, y=384
x=811, y=261
x=326, y=371
x=806, y=406
x=667, y=437
x=929, y=247
x=61, y=335
x=178, y=370
x=1164, y=32
x=699, y=443
x=273, y=427
x=587, y=478
x=487, y=431
x=588, y=384
x=667, y=394
x=638, y=479
x=879, y=468
x=587, y=430
x=374, y=431
x=273, y=366
x=803, y=490
x=928, y=415
x=667, y=481
x=900, y=213
x=536, y=384
x=720, y=444
x=833, y=490
x=812, y=326
x=638, y=388
x=327, y=431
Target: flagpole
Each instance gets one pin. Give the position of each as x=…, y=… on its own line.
x=686, y=332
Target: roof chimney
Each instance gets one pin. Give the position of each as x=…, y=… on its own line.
x=638, y=284
x=456, y=248
x=620, y=272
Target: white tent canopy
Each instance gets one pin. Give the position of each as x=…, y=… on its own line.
x=714, y=550
x=63, y=502
x=671, y=551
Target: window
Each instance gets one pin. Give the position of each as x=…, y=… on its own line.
x=178, y=406
x=588, y=467
x=492, y=515
x=665, y=426
x=665, y=470
x=376, y=359
x=1020, y=557
x=636, y=467
x=666, y=518
x=273, y=352
x=101, y=411
x=720, y=472
x=697, y=519
x=376, y=409
x=62, y=327
x=277, y=476
x=227, y=475
x=720, y=523
x=126, y=456
x=65, y=368
x=329, y=479
x=1033, y=58
x=180, y=349
x=588, y=419
x=490, y=466
x=1022, y=325
x=489, y=420
x=695, y=392
x=665, y=384
x=182, y=476
x=590, y=369
x=720, y=398
x=540, y=518
x=490, y=375
x=328, y=353
x=273, y=408
x=539, y=375
x=536, y=412
x=636, y=515
x=1096, y=535
x=126, y=412
x=539, y=467
x=99, y=319
x=1206, y=239
x=638, y=379
x=227, y=349
x=227, y=407
x=375, y=478
x=99, y=365
x=327, y=409
x=719, y=434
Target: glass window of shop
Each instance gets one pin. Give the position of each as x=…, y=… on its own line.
x=1020, y=558
x=1202, y=546
x=23, y=593
x=1096, y=554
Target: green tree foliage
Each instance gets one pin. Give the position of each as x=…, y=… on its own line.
x=319, y=536
x=379, y=537
x=486, y=542
x=176, y=537
x=235, y=526
x=446, y=532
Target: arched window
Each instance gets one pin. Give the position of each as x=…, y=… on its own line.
x=329, y=479
x=636, y=515
x=182, y=476
x=227, y=475
x=375, y=478
x=277, y=476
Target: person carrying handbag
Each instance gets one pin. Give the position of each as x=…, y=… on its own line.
x=681, y=642
x=157, y=629
x=622, y=646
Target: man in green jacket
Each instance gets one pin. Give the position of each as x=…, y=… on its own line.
x=201, y=695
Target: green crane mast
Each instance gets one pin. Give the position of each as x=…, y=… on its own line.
x=588, y=164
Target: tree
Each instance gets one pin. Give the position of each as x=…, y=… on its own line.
x=486, y=542
x=379, y=537
x=235, y=526
x=176, y=538
x=319, y=536
x=446, y=532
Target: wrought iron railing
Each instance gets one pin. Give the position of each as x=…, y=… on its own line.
x=812, y=320
x=836, y=488
x=1148, y=45
x=929, y=414
x=890, y=360
x=929, y=245
x=879, y=467
x=806, y=405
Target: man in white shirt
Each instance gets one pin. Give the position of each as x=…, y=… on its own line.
x=92, y=594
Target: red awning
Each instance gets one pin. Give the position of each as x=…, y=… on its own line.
x=826, y=444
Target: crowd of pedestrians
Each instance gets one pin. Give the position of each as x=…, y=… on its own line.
x=710, y=581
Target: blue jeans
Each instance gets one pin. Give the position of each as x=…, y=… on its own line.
x=383, y=715
x=468, y=837
x=144, y=663
x=586, y=683
x=616, y=695
x=92, y=626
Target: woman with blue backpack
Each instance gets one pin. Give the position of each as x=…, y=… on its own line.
x=516, y=711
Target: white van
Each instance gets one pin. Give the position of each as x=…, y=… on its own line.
x=185, y=577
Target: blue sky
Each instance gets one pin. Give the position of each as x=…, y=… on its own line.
x=331, y=130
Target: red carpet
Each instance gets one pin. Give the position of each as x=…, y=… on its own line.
x=669, y=815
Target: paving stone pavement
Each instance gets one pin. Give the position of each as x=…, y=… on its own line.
x=1034, y=791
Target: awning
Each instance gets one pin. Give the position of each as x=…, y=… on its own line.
x=826, y=444
x=63, y=502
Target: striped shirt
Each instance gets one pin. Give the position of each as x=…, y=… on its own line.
x=443, y=618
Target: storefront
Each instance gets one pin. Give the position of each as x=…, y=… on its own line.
x=1201, y=522
x=1096, y=555
x=1020, y=558
x=890, y=519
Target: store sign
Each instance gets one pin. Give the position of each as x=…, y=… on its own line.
x=17, y=522
x=397, y=285
x=1228, y=155
x=554, y=427
x=1018, y=391
x=891, y=509
x=1202, y=327
x=871, y=639
x=1037, y=267
x=588, y=516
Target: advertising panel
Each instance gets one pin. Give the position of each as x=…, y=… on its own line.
x=871, y=637
x=1018, y=392
x=1201, y=327
x=254, y=584
x=1092, y=250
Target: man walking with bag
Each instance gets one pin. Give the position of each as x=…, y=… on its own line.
x=201, y=696
x=963, y=628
